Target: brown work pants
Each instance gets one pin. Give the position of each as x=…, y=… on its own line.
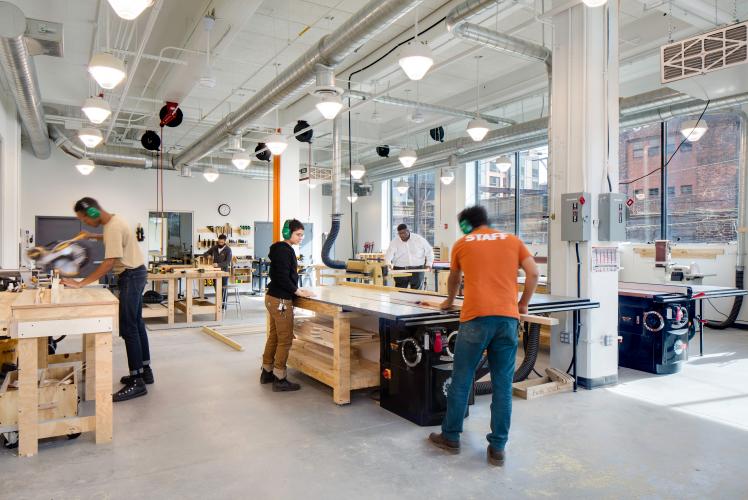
x=280, y=336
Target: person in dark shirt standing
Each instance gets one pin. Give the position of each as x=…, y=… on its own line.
x=283, y=287
x=221, y=255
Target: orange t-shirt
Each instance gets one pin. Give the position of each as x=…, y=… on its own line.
x=489, y=261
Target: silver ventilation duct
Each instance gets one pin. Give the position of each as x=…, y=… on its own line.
x=496, y=140
x=16, y=59
x=330, y=51
x=113, y=156
x=432, y=108
x=457, y=24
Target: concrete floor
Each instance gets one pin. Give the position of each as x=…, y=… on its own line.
x=207, y=429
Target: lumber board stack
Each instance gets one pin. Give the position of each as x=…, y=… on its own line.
x=554, y=382
x=320, y=332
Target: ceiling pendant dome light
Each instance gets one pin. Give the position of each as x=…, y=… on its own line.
x=358, y=171
x=210, y=174
x=85, y=166
x=447, y=177
x=402, y=186
x=416, y=58
x=407, y=157
x=107, y=70
x=276, y=143
x=129, y=9
x=503, y=163
x=594, y=3
x=352, y=198
x=329, y=106
x=241, y=160
x=477, y=129
x=90, y=137
x=693, y=130
x=96, y=109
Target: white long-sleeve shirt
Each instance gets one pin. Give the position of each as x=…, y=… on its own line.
x=415, y=252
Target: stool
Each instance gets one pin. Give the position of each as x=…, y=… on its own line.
x=233, y=298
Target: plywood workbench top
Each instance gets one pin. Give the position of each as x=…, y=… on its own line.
x=87, y=296
x=207, y=274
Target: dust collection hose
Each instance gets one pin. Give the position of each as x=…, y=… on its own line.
x=730, y=320
x=329, y=242
x=530, y=344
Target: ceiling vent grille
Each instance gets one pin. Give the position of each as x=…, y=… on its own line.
x=713, y=51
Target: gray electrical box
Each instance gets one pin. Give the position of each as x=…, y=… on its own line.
x=576, y=222
x=611, y=210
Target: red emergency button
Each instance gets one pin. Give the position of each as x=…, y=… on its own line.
x=582, y=200
x=387, y=374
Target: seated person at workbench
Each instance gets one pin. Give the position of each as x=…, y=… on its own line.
x=221, y=255
x=122, y=255
x=283, y=287
x=489, y=319
x=409, y=251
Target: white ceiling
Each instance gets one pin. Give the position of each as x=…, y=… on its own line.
x=251, y=36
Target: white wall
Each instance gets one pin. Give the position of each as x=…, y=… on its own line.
x=10, y=146
x=51, y=187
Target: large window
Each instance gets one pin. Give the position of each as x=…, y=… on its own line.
x=414, y=206
x=500, y=179
x=702, y=181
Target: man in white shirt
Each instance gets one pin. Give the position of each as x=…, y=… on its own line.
x=409, y=251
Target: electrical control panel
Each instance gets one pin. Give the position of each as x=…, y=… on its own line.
x=611, y=210
x=576, y=222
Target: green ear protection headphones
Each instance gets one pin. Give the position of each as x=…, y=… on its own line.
x=91, y=211
x=466, y=227
x=286, y=231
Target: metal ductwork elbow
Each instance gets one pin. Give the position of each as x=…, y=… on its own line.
x=15, y=58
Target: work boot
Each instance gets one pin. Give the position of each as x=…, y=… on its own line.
x=147, y=376
x=495, y=457
x=284, y=385
x=445, y=444
x=134, y=389
x=266, y=377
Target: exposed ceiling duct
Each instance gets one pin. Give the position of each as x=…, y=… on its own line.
x=525, y=135
x=114, y=156
x=20, y=72
x=432, y=108
x=330, y=51
x=457, y=24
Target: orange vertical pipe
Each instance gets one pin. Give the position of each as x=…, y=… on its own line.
x=277, y=197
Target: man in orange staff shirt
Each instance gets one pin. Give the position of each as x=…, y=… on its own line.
x=489, y=320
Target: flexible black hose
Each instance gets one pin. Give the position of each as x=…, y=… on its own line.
x=531, y=343
x=329, y=242
x=532, y=334
x=736, y=305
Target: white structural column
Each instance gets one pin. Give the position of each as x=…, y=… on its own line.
x=10, y=182
x=584, y=152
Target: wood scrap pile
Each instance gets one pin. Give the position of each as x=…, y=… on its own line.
x=554, y=382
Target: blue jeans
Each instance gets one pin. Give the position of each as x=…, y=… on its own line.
x=131, y=326
x=498, y=336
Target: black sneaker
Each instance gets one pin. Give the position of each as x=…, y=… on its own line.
x=266, y=377
x=147, y=376
x=495, y=457
x=135, y=389
x=284, y=385
x=445, y=444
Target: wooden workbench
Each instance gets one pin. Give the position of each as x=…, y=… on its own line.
x=189, y=306
x=91, y=313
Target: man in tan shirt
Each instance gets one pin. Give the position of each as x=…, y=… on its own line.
x=123, y=256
